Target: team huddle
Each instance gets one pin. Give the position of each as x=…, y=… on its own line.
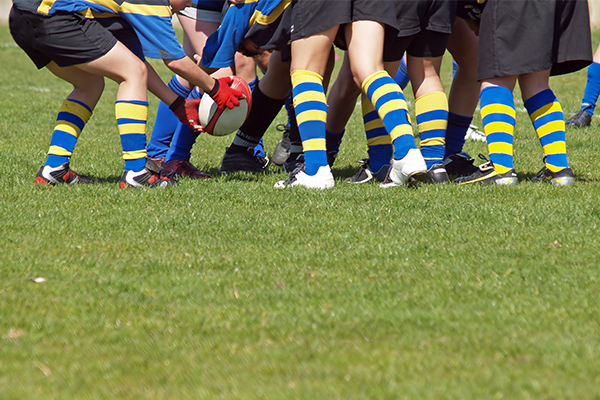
x=386, y=44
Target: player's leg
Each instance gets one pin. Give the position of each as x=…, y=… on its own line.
x=463, y=97
x=131, y=111
x=548, y=120
x=431, y=107
x=166, y=124
x=267, y=99
x=592, y=90
x=74, y=113
x=365, y=49
x=341, y=101
x=499, y=116
x=310, y=56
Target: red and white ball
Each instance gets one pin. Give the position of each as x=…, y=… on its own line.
x=227, y=121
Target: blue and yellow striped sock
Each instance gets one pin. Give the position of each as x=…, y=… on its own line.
x=432, y=119
x=498, y=115
x=549, y=123
x=72, y=117
x=378, y=139
x=310, y=106
x=387, y=97
x=131, y=120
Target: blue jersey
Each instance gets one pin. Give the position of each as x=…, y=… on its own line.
x=151, y=20
x=221, y=46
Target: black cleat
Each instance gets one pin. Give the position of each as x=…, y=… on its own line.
x=243, y=162
x=564, y=177
x=282, y=150
x=364, y=173
x=486, y=174
x=581, y=119
x=437, y=174
x=460, y=164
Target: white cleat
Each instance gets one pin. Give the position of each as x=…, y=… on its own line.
x=408, y=170
x=323, y=179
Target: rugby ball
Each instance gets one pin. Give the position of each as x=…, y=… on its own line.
x=227, y=121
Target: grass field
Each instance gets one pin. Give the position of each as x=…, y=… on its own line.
x=229, y=289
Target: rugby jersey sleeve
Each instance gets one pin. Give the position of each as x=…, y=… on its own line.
x=151, y=20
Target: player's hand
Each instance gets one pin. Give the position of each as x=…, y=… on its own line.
x=224, y=95
x=186, y=111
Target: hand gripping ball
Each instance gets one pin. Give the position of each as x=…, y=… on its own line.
x=228, y=120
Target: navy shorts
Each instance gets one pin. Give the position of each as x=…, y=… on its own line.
x=65, y=38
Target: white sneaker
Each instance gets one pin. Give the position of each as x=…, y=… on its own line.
x=407, y=170
x=474, y=133
x=323, y=179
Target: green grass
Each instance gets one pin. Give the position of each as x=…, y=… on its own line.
x=230, y=289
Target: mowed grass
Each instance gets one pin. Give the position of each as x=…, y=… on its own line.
x=229, y=289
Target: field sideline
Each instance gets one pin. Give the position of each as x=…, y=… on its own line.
x=230, y=289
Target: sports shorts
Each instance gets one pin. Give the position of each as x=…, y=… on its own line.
x=520, y=37
x=311, y=16
x=425, y=15
x=65, y=38
x=424, y=44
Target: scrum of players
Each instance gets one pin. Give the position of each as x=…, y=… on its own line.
x=385, y=44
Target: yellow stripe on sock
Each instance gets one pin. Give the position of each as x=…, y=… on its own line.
x=550, y=127
x=67, y=127
x=309, y=96
x=499, y=109
x=500, y=148
x=437, y=141
x=392, y=105
x=59, y=151
x=433, y=101
x=436, y=124
x=555, y=148
x=134, y=155
x=131, y=111
x=549, y=108
x=500, y=169
x=378, y=140
x=125, y=129
x=311, y=115
x=376, y=123
x=400, y=130
x=314, y=144
x=302, y=76
x=494, y=127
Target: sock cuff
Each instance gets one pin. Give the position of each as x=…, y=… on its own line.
x=539, y=100
x=435, y=101
x=459, y=120
x=304, y=76
x=177, y=87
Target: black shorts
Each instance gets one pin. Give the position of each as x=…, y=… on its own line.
x=426, y=43
x=425, y=15
x=65, y=38
x=311, y=16
x=520, y=37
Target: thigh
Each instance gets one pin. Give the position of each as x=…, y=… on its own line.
x=67, y=39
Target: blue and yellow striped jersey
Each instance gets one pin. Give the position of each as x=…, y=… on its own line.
x=239, y=20
x=151, y=20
